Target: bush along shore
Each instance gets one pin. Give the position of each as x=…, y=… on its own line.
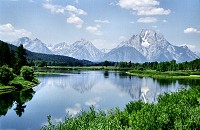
x=10, y=81
x=15, y=74
x=180, y=110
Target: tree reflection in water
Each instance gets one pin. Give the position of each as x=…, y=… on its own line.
x=19, y=97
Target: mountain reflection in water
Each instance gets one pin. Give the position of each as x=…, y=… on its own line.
x=69, y=93
x=144, y=88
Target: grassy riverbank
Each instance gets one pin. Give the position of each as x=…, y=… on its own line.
x=165, y=75
x=18, y=83
x=179, y=110
x=52, y=69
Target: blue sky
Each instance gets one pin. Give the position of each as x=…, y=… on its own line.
x=103, y=22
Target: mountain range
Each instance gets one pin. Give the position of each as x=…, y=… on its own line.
x=50, y=57
x=147, y=45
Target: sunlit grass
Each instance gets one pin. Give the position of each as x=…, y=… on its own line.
x=18, y=83
x=178, y=110
x=165, y=75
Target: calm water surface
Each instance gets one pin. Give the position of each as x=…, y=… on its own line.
x=64, y=94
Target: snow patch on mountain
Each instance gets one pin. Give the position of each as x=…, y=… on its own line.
x=147, y=45
x=34, y=45
x=81, y=49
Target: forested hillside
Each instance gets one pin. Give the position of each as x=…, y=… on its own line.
x=54, y=59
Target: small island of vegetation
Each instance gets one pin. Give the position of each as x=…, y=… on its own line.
x=15, y=74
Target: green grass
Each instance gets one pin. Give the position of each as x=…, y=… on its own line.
x=165, y=75
x=6, y=89
x=180, y=110
x=66, y=68
x=18, y=83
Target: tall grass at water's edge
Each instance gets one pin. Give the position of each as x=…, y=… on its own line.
x=180, y=110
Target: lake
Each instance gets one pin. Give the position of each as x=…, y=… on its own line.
x=66, y=94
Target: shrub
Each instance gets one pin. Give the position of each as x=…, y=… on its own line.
x=27, y=73
x=6, y=74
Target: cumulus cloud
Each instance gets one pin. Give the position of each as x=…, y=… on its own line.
x=54, y=8
x=70, y=10
x=74, y=110
x=61, y=9
x=154, y=11
x=144, y=7
x=75, y=10
x=135, y=4
x=9, y=32
x=101, y=21
x=94, y=30
x=147, y=20
x=191, y=30
x=75, y=20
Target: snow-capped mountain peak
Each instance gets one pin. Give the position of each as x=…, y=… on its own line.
x=84, y=49
x=147, y=45
x=35, y=45
x=81, y=49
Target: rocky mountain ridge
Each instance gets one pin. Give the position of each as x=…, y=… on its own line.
x=147, y=45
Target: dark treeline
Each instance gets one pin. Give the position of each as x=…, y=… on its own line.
x=39, y=59
x=13, y=59
x=162, y=66
x=14, y=56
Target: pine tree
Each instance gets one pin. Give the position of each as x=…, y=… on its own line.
x=5, y=54
x=21, y=58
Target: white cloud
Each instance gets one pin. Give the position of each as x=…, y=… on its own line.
x=144, y=7
x=191, y=30
x=73, y=9
x=94, y=30
x=135, y=4
x=101, y=21
x=154, y=11
x=147, y=20
x=75, y=20
x=9, y=32
x=74, y=110
x=54, y=8
x=61, y=9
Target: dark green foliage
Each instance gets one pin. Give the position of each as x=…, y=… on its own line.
x=6, y=75
x=105, y=63
x=51, y=60
x=17, y=97
x=179, y=110
x=162, y=66
x=5, y=58
x=27, y=73
x=21, y=59
x=134, y=106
